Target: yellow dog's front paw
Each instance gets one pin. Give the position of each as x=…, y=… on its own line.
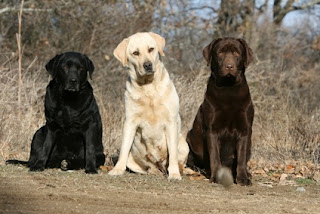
x=116, y=171
x=174, y=176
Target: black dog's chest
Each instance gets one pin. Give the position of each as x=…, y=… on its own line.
x=69, y=118
x=65, y=118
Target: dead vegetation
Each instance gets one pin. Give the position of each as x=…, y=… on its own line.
x=284, y=78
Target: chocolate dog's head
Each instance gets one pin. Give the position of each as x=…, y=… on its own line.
x=228, y=58
x=70, y=70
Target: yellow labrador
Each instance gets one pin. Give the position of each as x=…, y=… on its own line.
x=151, y=142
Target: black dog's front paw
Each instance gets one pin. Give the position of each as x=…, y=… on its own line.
x=36, y=168
x=91, y=171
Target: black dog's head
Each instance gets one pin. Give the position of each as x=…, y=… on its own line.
x=70, y=70
x=229, y=57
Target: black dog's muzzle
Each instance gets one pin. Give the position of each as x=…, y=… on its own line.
x=72, y=85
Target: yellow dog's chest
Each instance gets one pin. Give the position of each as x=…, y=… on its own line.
x=152, y=111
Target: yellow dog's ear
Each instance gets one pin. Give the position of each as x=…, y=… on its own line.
x=121, y=52
x=161, y=42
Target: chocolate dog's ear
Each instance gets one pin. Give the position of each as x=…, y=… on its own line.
x=121, y=52
x=207, y=50
x=248, y=52
x=89, y=65
x=51, y=66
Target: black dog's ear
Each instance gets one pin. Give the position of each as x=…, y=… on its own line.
x=207, y=50
x=248, y=52
x=89, y=65
x=51, y=66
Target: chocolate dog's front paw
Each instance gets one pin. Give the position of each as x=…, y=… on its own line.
x=213, y=179
x=244, y=181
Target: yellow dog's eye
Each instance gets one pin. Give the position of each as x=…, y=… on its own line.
x=150, y=50
x=136, y=53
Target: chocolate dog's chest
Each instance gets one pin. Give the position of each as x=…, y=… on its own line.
x=230, y=122
x=230, y=110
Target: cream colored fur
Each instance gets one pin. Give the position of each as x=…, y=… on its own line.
x=151, y=142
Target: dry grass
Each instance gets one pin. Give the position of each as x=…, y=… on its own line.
x=284, y=83
x=285, y=126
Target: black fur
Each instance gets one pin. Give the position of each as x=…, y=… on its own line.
x=73, y=130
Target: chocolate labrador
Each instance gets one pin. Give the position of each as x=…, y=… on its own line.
x=220, y=139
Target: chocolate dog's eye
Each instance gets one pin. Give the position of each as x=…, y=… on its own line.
x=150, y=50
x=136, y=53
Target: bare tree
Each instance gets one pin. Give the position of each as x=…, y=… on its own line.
x=280, y=12
x=235, y=17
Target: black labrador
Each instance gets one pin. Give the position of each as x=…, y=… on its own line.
x=72, y=135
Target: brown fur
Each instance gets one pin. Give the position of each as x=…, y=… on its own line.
x=221, y=133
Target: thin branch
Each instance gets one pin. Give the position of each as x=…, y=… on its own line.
x=279, y=14
x=13, y=9
x=263, y=7
x=20, y=56
x=203, y=7
x=309, y=4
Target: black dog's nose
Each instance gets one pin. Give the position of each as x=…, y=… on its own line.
x=147, y=66
x=73, y=80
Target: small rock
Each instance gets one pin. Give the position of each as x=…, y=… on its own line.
x=266, y=184
x=300, y=189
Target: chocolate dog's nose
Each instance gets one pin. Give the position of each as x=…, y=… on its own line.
x=147, y=66
x=229, y=66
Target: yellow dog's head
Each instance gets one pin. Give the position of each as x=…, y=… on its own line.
x=140, y=53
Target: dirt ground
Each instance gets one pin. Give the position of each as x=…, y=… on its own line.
x=56, y=191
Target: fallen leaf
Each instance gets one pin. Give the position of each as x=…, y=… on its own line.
x=259, y=171
x=106, y=168
x=195, y=177
x=283, y=177
x=289, y=169
x=316, y=176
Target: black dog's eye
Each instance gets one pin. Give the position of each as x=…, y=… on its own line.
x=136, y=53
x=150, y=50
x=65, y=67
x=81, y=69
